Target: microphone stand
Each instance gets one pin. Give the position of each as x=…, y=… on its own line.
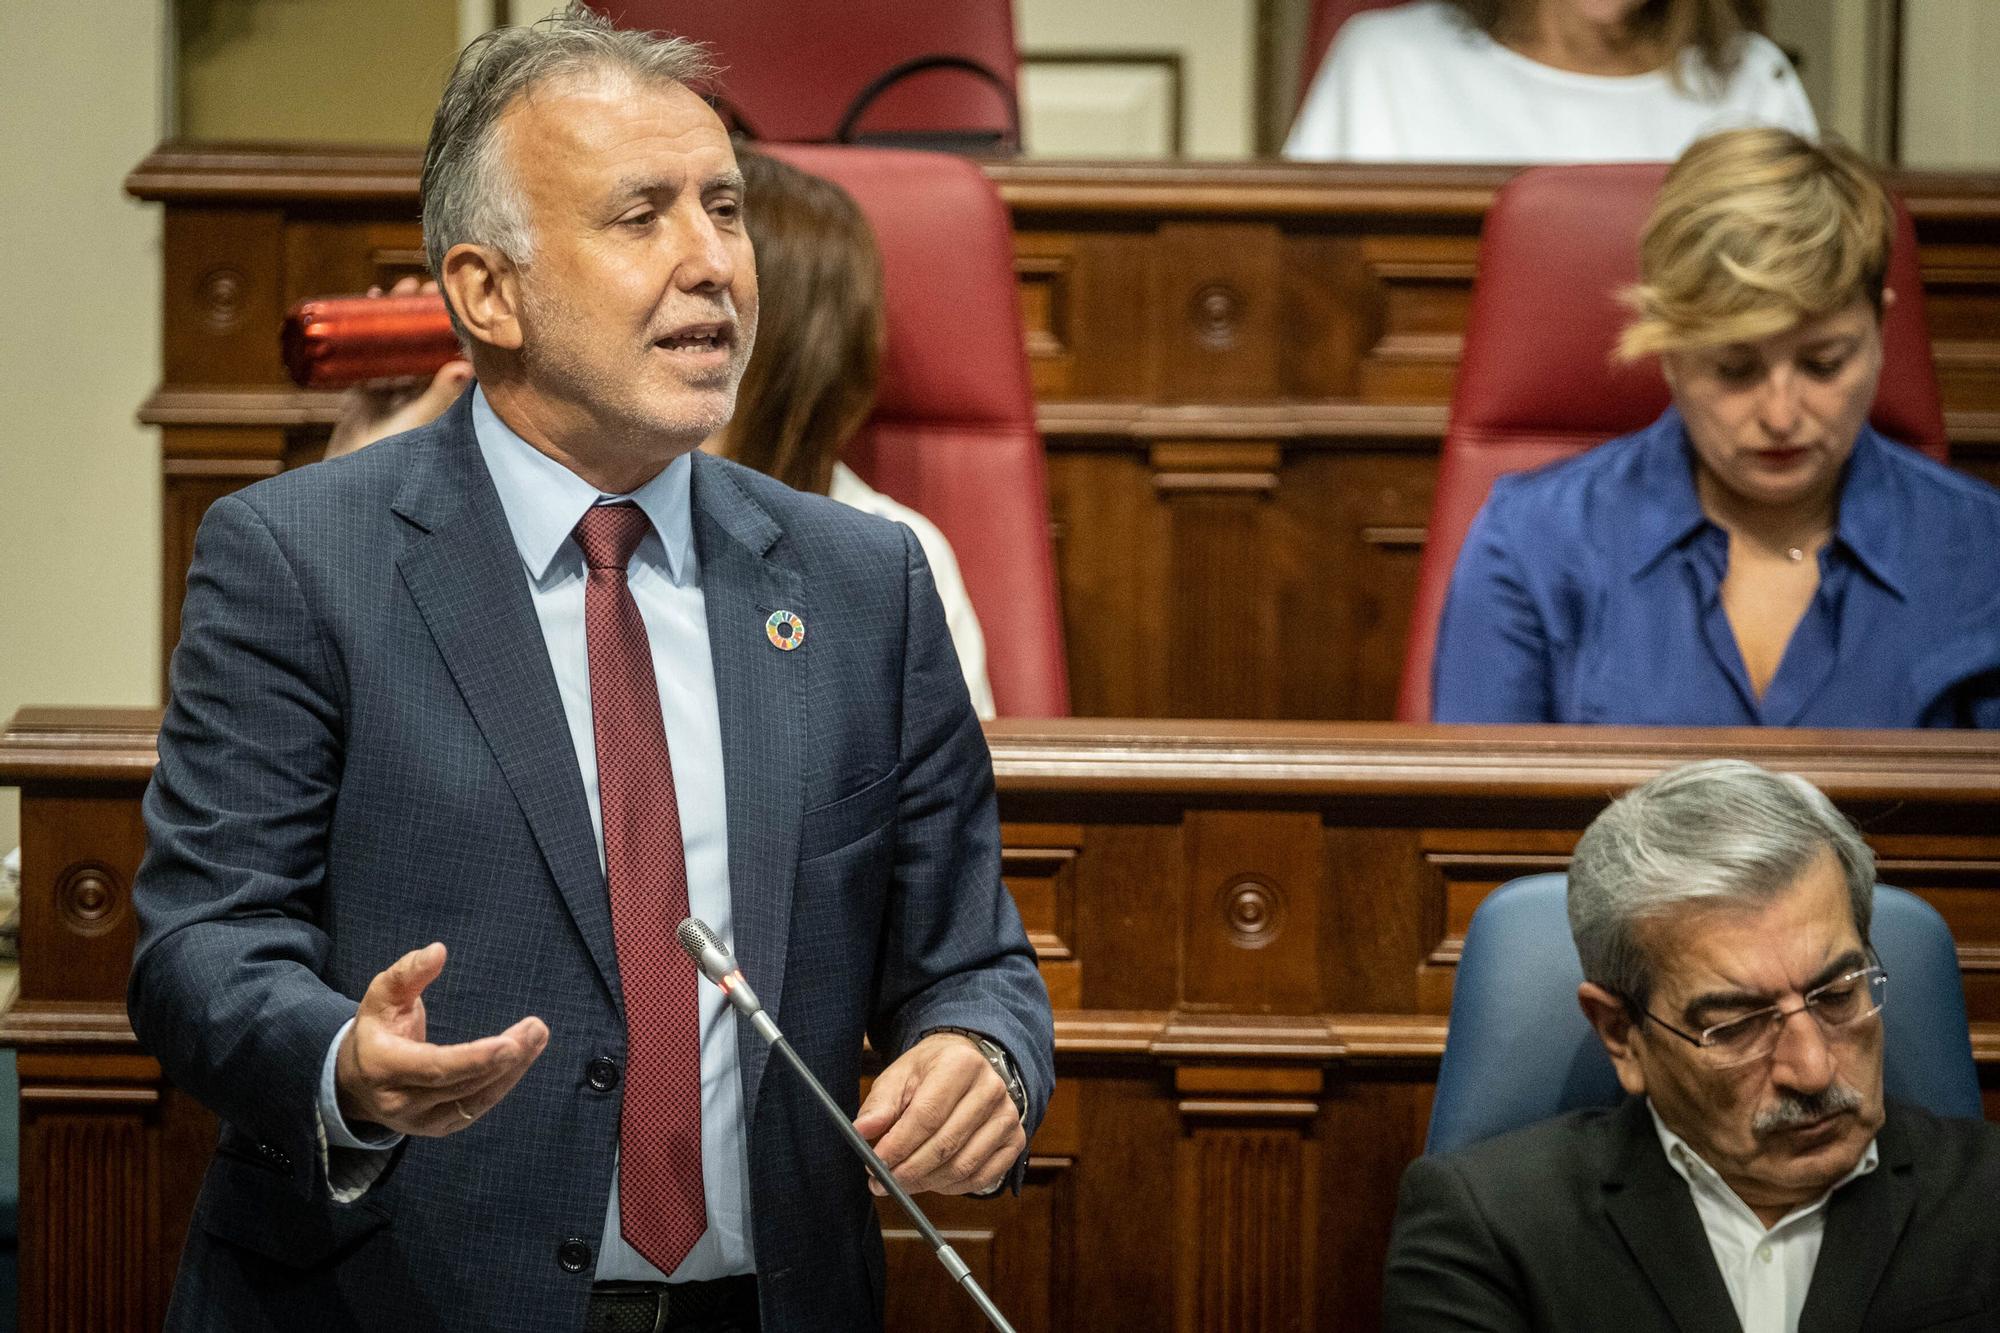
x=715, y=963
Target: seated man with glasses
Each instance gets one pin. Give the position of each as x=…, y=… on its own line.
x=1755, y=1177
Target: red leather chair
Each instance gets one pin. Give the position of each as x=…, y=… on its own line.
x=1536, y=382
x=1327, y=18
x=953, y=433
x=792, y=72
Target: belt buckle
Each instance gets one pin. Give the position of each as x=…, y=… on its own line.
x=661, y=1300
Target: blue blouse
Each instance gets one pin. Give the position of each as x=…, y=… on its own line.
x=1590, y=591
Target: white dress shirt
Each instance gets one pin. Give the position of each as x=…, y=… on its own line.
x=543, y=502
x=1767, y=1270
x=1418, y=83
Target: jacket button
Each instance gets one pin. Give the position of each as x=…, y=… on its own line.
x=573, y=1255
x=602, y=1074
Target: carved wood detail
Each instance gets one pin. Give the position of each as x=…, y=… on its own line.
x=88, y=1182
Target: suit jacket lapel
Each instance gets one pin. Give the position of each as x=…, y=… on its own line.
x=1654, y=1213
x=465, y=576
x=1864, y=1220
x=761, y=694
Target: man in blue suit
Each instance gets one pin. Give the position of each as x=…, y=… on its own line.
x=462, y=724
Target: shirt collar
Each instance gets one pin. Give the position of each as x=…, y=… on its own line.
x=1873, y=512
x=1670, y=508
x=543, y=500
x=1868, y=525
x=1689, y=1166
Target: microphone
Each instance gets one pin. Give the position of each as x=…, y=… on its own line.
x=712, y=957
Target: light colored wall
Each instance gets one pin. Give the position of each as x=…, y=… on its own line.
x=1216, y=39
x=356, y=71
x=80, y=100
x=1951, y=110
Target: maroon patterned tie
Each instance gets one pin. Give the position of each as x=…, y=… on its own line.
x=661, y=1209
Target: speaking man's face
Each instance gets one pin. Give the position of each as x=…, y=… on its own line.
x=1783, y=1129
x=638, y=306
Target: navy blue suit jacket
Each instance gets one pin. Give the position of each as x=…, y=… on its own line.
x=364, y=751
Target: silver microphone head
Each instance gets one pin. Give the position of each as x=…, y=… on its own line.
x=708, y=952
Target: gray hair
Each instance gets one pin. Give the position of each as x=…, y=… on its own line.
x=468, y=191
x=1718, y=833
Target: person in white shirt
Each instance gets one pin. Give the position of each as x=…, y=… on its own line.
x=1755, y=1177
x=1545, y=81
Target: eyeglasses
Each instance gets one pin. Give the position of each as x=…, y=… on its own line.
x=1840, y=1003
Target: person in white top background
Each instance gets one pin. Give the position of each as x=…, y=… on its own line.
x=808, y=388
x=1545, y=81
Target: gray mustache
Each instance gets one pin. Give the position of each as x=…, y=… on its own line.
x=1803, y=1108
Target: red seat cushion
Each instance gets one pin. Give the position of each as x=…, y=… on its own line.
x=1536, y=382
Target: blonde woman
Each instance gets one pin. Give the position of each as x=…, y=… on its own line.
x=1759, y=555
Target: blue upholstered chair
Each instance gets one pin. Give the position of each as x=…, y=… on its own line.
x=1520, y=1049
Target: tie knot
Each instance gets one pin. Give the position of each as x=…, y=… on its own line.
x=609, y=534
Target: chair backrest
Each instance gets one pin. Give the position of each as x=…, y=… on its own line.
x=1536, y=382
x=953, y=433
x=792, y=72
x=1520, y=1050
x=1328, y=16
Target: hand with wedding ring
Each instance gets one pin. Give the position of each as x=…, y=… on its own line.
x=387, y=1074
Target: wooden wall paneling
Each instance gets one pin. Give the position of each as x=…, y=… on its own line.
x=1353, y=519
x=1129, y=898
x=1039, y=864
x=221, y=298
x=1329, y=312
x=1312, y=309
x=1088, y=307
x=1252, y=919
x=327, y=254
x=1230, y=1123
x=1112, y=546
x=1246, y=1213
x=1215, y=311
x=1372, y=1124
x=1424, y=289
x=1215, y=503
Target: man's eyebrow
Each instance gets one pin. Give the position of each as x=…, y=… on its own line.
x=1851, y=961
x=724, y=180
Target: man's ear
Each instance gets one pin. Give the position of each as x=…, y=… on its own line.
x=484, y=289
x=1613, y=1024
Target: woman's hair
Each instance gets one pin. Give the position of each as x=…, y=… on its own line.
x=812, y=375
x=1755, y=232
x=1713, y=28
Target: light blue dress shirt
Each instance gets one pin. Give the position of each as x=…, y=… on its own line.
x=543, y=502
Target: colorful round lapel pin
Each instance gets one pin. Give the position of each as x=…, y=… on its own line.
x=785, y=630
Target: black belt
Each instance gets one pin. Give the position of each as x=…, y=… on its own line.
x=655, y=1307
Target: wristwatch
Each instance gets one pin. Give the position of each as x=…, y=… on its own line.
x=1003, y=1065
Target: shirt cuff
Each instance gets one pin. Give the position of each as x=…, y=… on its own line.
x=352, y=1162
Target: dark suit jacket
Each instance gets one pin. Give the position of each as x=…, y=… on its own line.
x=1581, y=1223
x=365, y=751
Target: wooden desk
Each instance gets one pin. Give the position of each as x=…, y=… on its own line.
x=1249, y=931
x=1242, y=373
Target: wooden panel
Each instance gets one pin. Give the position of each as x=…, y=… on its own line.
x=1241, y=1076
x=222, y=298
x=1306, y=316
